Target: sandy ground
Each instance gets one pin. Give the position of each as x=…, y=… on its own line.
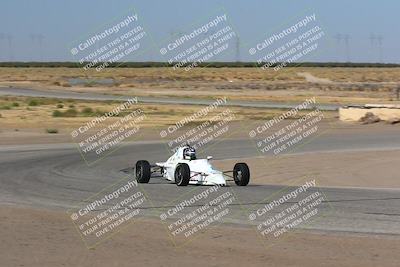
x=48, y=238
x=26, y=134
x=337, y=169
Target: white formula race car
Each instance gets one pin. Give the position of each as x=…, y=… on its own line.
x=185, y=168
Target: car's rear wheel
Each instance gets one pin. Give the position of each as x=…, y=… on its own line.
x=182, y=174
x=241, y=174
x=143, y=171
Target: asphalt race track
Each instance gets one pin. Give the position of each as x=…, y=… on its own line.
x=55, y=177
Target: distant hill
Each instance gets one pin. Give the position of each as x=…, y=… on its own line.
x=207, y=64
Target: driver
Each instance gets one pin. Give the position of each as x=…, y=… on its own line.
x=189, y=153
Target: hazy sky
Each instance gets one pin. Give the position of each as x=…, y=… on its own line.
x=34, y=30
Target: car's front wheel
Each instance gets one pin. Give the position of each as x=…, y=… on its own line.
x=182, y=174
x=143, y=171
x=241, y=174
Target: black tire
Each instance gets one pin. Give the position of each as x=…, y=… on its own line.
x=182, y=174
x=241, y=174
x=143, y=171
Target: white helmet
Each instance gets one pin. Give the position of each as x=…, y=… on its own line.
x=189, y=153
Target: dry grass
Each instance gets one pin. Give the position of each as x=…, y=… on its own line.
x=202, y=74
x=41, y=115
x=349, y=85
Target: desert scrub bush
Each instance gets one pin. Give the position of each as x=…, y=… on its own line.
x=68, y=113
x=5, y=107
x=57, y=113
x=87, y=111
x=89, y=84
x=62, y=83
x=60, y=105
x=15, y=104
x=51, y=131
x=33, y=102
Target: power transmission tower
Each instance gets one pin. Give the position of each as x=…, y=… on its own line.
x=40, y=38
x=2, y=37
x=372, y=39
x=10, y=50
x=346, y=39
x=380, y=40
x=237, y=48
x=338, y=38
x=32, y=36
